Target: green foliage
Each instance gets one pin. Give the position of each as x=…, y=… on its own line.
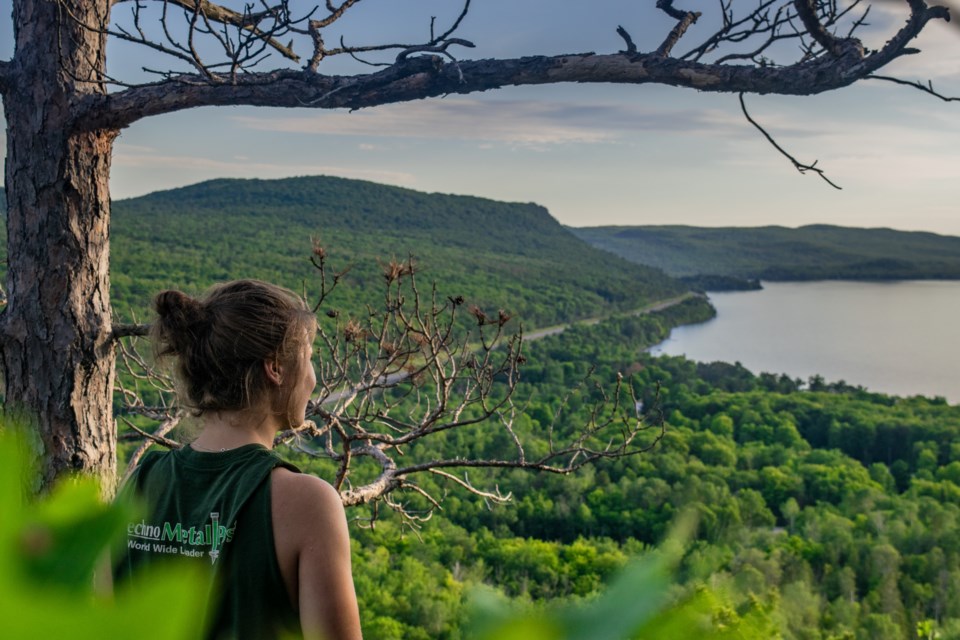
x=496, y=255
x=711, y=256
x=637, y=604
x=49, y=549
x=822, y=514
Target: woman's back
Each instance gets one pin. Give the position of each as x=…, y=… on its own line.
x=215, y=509
x=276, y=539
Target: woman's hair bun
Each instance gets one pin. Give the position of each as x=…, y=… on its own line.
x=178, y=318
x=220, y=341
x=178, y=309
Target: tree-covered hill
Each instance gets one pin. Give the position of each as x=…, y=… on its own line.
x=495, y=254
x=813, y=252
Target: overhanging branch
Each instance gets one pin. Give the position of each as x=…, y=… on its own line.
x=425, y=77
x=430, y=75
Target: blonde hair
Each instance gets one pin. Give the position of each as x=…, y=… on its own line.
x=220, y=341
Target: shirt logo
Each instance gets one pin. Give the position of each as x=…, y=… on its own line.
x=179, y=539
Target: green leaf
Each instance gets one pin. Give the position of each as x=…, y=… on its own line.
x=65, y=536
x=48, y=553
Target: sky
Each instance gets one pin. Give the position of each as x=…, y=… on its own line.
x=592, y=154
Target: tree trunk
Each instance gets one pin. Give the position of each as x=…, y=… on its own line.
x=57, y=355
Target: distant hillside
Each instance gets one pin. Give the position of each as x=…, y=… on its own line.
x=813, y=252
x=495, y=254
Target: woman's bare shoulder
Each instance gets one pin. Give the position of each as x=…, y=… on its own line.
x=305, y=496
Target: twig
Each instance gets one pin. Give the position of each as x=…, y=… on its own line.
x=684, y=20
x=926, y=88
x=802, y=168
x=128, y=330
x=631, y=47
x=149, y=439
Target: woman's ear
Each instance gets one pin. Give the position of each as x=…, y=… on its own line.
x=273, y=371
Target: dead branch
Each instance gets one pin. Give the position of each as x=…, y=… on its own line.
x=157, y=437
x=494, y=496
x=436, y=43
x=802, y=168
x=807, y=12
x=826, y=60
x=247, y=20
x=926, y=88
x=684, y=20
x=436, y=48
x=631, y=46
x=129, y=330
x=403, y=375
x=327, y=283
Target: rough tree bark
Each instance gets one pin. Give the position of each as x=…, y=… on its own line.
x=55, y=333
x=57, y=354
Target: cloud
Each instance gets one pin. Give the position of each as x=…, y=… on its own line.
x=528, y=123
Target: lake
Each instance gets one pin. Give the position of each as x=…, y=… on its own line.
x=901, y=338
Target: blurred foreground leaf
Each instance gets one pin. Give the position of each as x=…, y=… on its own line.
x=638, y=604
x=49, y=550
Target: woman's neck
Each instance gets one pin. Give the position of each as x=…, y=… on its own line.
x=225, y=430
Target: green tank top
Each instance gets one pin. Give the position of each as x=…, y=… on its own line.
x=215, y=508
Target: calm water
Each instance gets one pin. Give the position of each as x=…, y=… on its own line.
x=898, y=337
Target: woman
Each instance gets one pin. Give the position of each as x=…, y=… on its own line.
x=277, y=539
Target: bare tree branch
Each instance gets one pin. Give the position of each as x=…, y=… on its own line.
x=128, y=330
x=768, y=20
x=434, y=48
x=802, y=168
x=807, y=11
x=157, y=437
x=437, y=43
x=631, y=46
x=246, y=20
x=684, y=20
x=429, y=74
x=916, y=84
x=456, y=24
x=494, y=496
x=920, y=15
x=427, y=77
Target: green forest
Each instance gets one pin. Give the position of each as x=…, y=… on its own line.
x=812, y=252
x=496, y=255
x=829, y=511
x=832, y=508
